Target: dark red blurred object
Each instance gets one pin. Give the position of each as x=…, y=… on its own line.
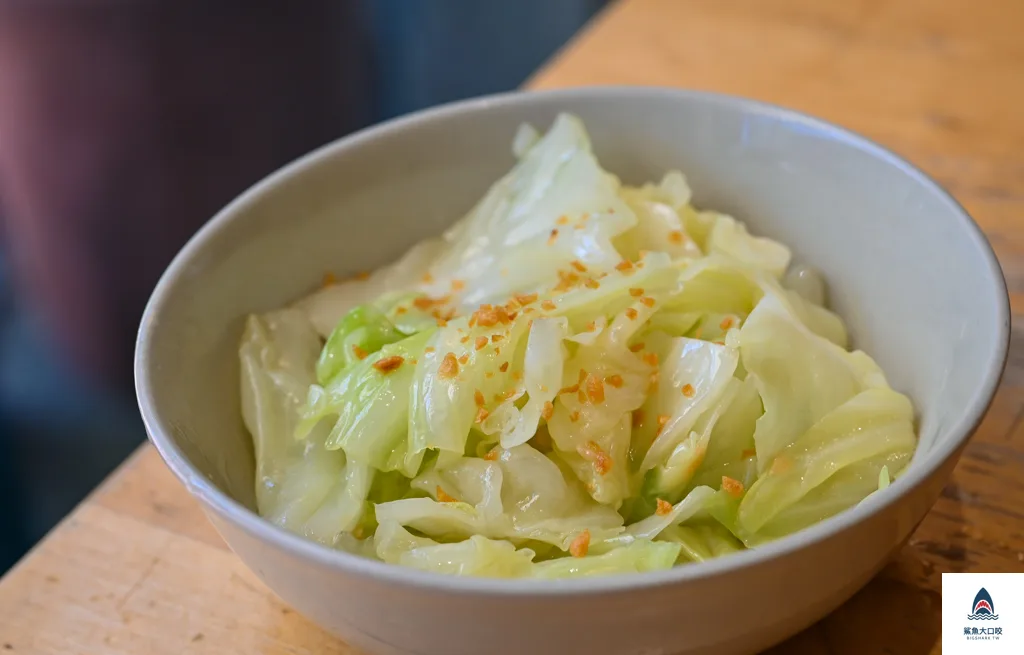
x=125, y=125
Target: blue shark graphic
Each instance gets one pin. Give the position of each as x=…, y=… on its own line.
x=983, y=608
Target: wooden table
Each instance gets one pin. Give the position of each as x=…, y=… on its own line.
x=137, y=569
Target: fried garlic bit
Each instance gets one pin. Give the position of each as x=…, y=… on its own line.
x=389, y=364
x=449, y=367
x=580, y=545
x=547, y=411
x=594, y=454
x=489, y=316
x=732, y=486
x=595, y=389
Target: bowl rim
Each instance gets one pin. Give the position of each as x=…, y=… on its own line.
x=257, y=528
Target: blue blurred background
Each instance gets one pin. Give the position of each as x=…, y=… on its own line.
x=62, y=429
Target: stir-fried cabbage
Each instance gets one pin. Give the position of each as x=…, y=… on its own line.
x=579, y=378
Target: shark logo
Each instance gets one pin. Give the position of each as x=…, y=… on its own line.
x=983, y=607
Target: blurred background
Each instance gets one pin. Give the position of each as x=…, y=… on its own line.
x=124, y=126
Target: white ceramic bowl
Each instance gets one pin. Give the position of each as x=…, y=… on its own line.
x=908, y=269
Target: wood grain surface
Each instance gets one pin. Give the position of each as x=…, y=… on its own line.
x=137, y=568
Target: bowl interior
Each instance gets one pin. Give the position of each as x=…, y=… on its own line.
x=915, y=280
